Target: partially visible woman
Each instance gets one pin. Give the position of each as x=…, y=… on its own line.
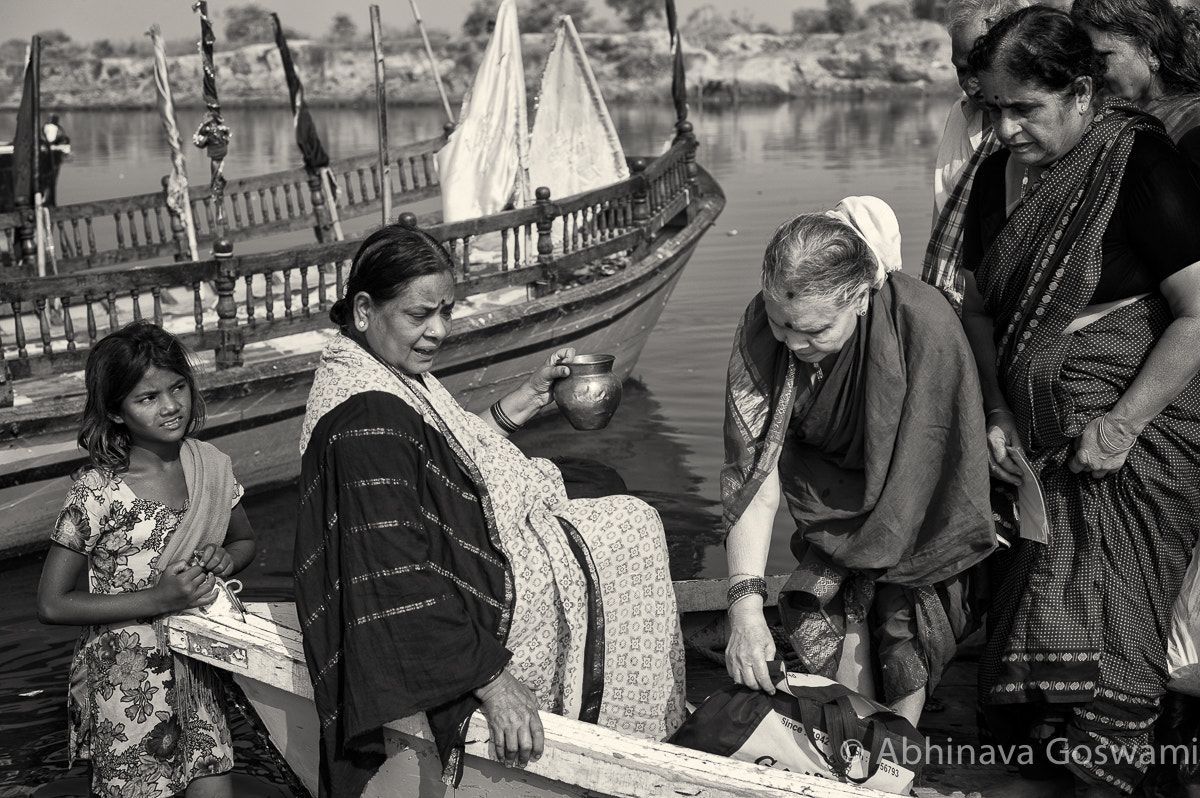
x=853, y=394
x=1082, y=304
x=1151, y=50
x=439, y=570
x=967, y=140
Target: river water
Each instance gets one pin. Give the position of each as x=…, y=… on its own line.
x=665, y=440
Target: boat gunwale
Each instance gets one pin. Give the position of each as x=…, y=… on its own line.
x=579, y=754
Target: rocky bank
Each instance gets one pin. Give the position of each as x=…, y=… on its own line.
x=907, y=57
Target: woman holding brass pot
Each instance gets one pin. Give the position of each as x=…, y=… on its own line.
x=852, y=393
x=440, y=570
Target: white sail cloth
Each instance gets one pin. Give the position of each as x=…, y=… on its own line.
x=483, y=165
x=574, y=145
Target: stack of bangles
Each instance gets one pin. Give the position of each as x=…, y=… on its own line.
x=751, y=586
x=1106, y=443
x=502, y=420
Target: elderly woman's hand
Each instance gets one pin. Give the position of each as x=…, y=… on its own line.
x=512, y=713
x=541, y=382
x=1002, y=438
x=1102, y=447
x=750, y=646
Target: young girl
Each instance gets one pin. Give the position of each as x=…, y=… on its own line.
x=154, y=521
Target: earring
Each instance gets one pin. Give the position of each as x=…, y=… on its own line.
x=1154, y=63
x=362, y=325
x=862, y=311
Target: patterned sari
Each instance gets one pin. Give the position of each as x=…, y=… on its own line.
x=1078, y=626
x=431, y=553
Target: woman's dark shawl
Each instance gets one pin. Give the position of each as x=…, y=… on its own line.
x=888, y=472
x=379, y=485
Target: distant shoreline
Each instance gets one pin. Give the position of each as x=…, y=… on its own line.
x=905, y=59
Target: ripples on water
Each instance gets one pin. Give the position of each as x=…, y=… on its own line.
x=665, y=440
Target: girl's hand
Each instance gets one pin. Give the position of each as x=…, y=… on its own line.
x=214, y=559
x=541, y=382
x=184, y=586
x=1002, y=435
x=750, y=646
x=1093, y=455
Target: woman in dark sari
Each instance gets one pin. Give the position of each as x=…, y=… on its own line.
x=1151, y=50
x=853, y=394
x=439, y=570
x=1082, y=304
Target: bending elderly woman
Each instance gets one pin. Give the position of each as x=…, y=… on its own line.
x=439, y=570
x=1082, y=304
x=854, y=394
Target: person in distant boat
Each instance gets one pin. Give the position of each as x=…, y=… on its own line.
x=1082, y=304
x=439, y=570
x=1151, y=50
x=155, y=523
x=52, y=132
x=853, y=395
x=967, y=139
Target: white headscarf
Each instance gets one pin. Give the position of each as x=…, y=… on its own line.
x=875, y=222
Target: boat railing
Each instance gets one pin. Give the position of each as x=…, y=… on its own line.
x=228, y=303
x=91, y=235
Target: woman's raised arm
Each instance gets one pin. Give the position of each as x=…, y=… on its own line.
x=510, y=412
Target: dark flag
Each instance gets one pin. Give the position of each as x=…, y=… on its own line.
x=25, y=142
x=309, y=142
x=678, y=81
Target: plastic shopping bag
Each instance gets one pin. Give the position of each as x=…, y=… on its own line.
x=1183, y=642
x=810, y=725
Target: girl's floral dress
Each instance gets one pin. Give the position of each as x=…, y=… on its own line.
x=122, y=705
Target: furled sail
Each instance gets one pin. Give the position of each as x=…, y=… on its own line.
x=484, y=164
x=574, y=145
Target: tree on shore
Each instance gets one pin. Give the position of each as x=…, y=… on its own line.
x=636, y=13
x=250, y=24
x=533, y=16
x=342, y=29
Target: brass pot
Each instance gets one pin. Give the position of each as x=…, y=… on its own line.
x=590, y=395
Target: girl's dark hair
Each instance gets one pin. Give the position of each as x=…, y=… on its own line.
x=388, y=260
x=114, y=367
x=1039, y=45
x=1170, y=33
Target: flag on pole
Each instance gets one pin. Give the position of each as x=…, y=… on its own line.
x=307, y=139
x=25, y=141
x=177, y=181
x=678, y=80
x=213, y=135
x=484, y=164
x=574, y=145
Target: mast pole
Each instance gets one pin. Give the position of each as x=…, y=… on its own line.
x=385, y=167
x=437, y=77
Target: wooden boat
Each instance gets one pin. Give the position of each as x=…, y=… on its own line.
x=264, y=654
x=598, y=283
